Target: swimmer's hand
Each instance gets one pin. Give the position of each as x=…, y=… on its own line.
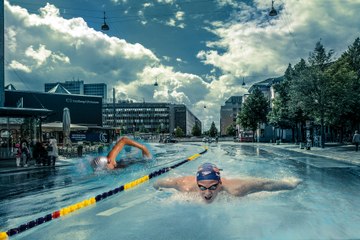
x=146, y=153
x=292, y=181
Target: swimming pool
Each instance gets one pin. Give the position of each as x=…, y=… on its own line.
x=324, y=206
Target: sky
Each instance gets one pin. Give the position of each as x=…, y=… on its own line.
x=198, y=51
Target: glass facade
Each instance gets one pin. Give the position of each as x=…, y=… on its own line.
x=148, y=117
x=78, y=87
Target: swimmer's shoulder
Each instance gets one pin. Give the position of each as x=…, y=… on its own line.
x=186, y=183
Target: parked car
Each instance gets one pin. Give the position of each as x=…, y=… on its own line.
x=208, y=140
x=170, y=140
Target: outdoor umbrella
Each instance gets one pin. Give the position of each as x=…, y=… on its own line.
x=66, y=126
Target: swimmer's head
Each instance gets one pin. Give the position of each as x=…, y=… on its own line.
x=208, y=171
x=99, y=163
x=209, y=181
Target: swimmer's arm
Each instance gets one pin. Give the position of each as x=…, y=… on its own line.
x=258, y=185
x=166, y=183
x=182, y=184
x=120, y=145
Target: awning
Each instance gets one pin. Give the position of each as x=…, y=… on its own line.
x=24, y=112
x=58, y=127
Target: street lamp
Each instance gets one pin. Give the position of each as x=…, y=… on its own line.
x=272, y=12
x=105, y=27
x=156, y=83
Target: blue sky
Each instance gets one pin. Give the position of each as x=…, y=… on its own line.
x=198, y=51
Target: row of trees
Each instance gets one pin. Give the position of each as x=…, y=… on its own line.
x=319, y=89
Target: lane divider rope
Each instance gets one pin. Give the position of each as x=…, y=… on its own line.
x=88, y=202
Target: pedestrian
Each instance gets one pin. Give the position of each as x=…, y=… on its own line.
x=356, y=140
x=18, y=154
x=53, y=151
x=25, y=153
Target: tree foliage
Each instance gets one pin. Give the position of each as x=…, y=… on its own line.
x=179, y=132
x=196, y=131
x=254, y=111
x=321, y=89
x=213, y=130
x=230, y=130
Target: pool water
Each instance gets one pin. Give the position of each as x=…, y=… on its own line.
x=324, y=206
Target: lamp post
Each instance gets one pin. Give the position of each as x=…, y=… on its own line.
x=272, y=12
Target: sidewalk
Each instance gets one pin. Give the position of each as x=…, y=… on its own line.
x=9, y=165
x=335, y=151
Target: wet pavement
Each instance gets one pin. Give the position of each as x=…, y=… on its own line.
x=9, y=165
x=337, y=155
x=65, y=182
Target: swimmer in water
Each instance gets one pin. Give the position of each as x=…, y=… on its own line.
x=109, y=162
x=208, y=183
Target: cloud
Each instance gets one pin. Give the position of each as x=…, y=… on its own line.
x=249, y=45
x=40, y=55
x=46, y=47
x=50, y=43
x=15, y=65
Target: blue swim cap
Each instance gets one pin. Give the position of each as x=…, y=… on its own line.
x=208, y=171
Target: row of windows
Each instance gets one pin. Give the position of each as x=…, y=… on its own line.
x=138, y=120
x=124, y=116
x=136, y=110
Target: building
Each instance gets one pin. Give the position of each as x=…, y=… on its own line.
x=148, y=117
x=84, y=110
x=266, y=87
x=266, y=132
x=228, y=113
x=96, y=89
x=183, y=118
x=79, y=87
x=85, y=115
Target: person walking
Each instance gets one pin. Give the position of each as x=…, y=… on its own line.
x=25, y=153
x=356, y=140
x=18, y=154
x=53, y=151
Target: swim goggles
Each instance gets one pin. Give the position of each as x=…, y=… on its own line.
x=212, y=187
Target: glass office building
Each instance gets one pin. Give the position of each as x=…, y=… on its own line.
x=79, y=87
x=149, y=117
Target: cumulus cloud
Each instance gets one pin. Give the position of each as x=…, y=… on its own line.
x=249, y=45
x=15, y=65
x=55, y=42
x=177, y=20
x=46, y=47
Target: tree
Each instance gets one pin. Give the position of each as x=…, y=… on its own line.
x=279, y=116
x=310, y=87
x=344, y=79
x=230, y=130
x=213, y=130
x=179, y=132
x=196, y=131
x=254, y=111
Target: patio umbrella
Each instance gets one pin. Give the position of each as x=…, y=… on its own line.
x=66, y=126
x=58, y=127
